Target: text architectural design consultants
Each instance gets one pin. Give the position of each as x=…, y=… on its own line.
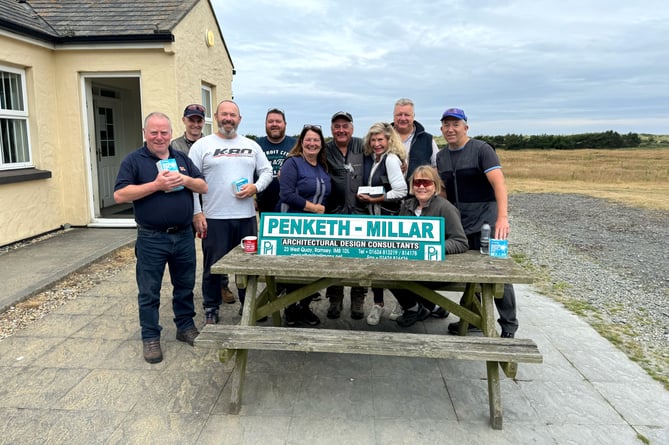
x=352, y=236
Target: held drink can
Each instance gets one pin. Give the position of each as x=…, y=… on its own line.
x=485, y=239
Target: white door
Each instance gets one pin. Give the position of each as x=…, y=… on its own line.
x=107, y=139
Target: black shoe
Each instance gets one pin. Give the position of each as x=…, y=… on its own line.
x=334, y=311
x=454, y=328
x=291, y=315
x=357, y=311
x=188, y=335
x=307, y=316
x=440, y=312
x=409, y=317
x=211, y=317
x=507, y=334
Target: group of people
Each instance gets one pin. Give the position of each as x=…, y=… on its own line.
x=463, y=183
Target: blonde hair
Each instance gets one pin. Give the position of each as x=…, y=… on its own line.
x=395, y=145
x=427, y=172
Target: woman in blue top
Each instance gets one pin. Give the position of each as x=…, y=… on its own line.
x=304, y=186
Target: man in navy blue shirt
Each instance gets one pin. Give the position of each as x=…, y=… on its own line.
x=276, y=146
x=163, y=207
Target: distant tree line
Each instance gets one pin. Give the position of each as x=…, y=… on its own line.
x=607, y=139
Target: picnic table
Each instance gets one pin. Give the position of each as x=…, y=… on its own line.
x=479, y=276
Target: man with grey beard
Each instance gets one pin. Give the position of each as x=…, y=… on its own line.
x=227, y=213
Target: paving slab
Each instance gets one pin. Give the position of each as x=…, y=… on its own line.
x=77, y=377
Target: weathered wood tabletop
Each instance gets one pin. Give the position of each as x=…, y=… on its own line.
x=471, y=272
x=470, y=267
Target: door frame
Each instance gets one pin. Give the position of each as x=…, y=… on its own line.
x=87, y=81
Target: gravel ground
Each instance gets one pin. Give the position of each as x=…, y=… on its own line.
x=607, y=261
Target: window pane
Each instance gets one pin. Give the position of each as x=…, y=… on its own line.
x=11, y=93
x=14, y=141
x=206, y=101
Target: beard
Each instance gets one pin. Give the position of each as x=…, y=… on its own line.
x=276, y=134
x=227, y=133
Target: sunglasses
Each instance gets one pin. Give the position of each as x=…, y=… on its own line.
x=422, y=182
x=195, y=107
x=312, y=127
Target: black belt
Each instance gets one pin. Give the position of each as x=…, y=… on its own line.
x=170, y=230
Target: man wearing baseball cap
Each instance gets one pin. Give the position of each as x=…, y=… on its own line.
x=345, y=165
x=475, y=184
x=193, y=119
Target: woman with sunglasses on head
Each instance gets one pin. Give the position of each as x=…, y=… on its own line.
x=383, y=146
x=425, y=188
x=304, y=186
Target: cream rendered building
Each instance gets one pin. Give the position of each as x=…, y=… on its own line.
x=76, y=80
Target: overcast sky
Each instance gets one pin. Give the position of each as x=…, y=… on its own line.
x=522, y=66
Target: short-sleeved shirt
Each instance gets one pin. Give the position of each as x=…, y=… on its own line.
x=268, y=199
x=159, y=210
x=464, y=174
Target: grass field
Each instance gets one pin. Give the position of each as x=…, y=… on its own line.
x=638, y=177
x=634, y=176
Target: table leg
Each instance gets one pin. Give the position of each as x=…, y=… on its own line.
x=488, y=328
x=494, y=395
x=467, y=302
x=488, y=310
x=270, y=284
x=239, y=372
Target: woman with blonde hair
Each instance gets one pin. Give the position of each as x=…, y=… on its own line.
x=383, y=145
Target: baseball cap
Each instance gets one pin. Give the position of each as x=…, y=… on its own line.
x=194, y=110
x=454, y=112
x=343, y=115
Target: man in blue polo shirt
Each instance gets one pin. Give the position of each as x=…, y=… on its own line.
x=163, y=207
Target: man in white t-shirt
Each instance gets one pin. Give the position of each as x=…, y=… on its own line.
x=226, y=216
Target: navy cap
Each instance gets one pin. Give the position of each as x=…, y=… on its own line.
x=194, y=110
x=454, y=112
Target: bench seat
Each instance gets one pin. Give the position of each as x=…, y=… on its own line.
x=373, y=343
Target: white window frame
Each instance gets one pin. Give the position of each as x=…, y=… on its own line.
x=206, y=94
x=17, y=115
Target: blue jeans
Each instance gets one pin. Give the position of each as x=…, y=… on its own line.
x=153, y=251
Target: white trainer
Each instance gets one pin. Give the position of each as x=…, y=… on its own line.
x=397, y=311
x=375, y=315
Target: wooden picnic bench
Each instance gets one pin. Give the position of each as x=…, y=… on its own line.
x=471, y=272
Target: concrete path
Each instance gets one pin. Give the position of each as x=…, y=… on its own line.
x=77, y=377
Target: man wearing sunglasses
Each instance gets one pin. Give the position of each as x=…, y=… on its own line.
x=276, y=146
x=475, y=184
x=193, y=120
x=346, y=160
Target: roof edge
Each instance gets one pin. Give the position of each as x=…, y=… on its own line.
x=160, y=36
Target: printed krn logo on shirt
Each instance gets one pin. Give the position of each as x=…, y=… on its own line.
x=232, y=152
